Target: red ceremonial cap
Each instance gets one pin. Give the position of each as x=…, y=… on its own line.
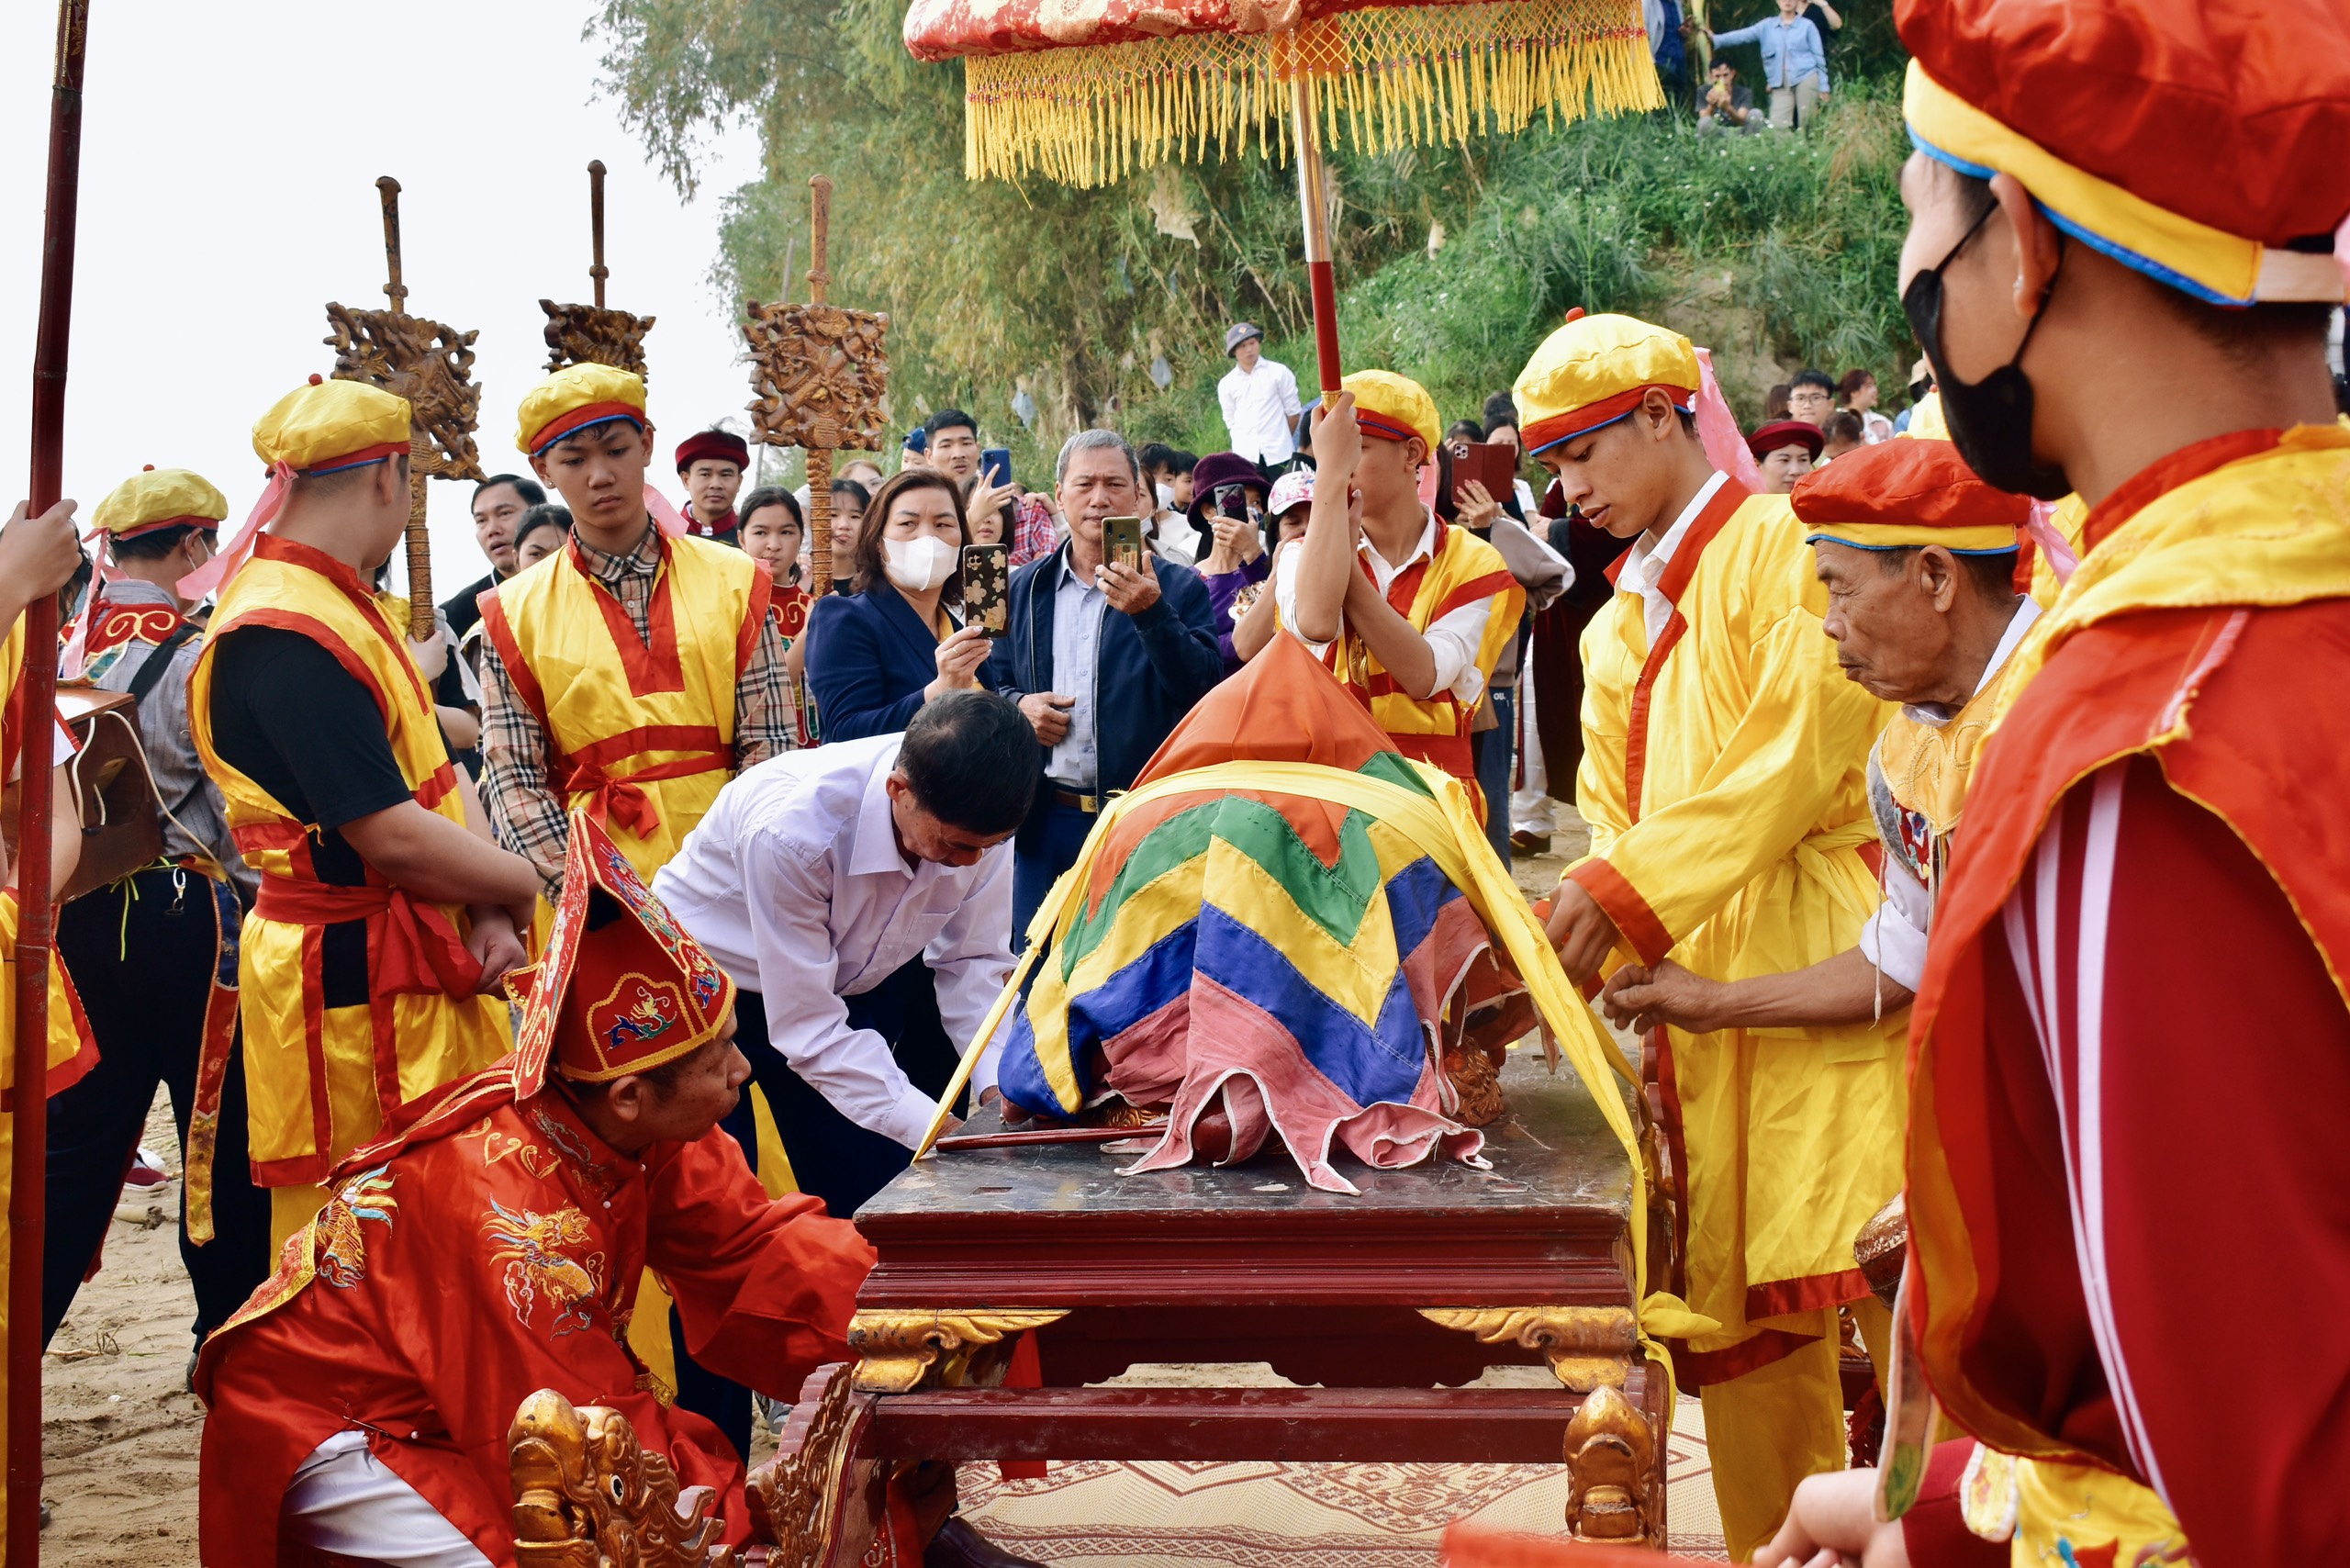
x=621, y=987
x=1786, y=433
x=1899, y=493
x=725, y=446
x=2207, y=145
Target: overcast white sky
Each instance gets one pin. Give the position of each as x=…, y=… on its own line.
x=229, y=164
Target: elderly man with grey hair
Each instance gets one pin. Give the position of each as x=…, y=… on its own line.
x=1105, y=659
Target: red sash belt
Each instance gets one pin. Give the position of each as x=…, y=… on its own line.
x=413, y=947
x=617, y=797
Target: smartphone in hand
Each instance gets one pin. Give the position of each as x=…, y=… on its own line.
x=995, y=464
x=987, y=585
x=1122, y=541
x=1493, y=464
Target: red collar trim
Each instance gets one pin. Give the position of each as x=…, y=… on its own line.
x=2166, y=474
x=270, y=547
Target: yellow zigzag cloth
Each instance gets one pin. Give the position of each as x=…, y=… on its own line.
x=1082, y=91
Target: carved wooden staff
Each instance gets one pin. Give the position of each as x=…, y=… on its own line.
x=820, y=458
x=420, y=538
x=429, y=364
x=27, y=1198
x=590, y=334
x=821, y=378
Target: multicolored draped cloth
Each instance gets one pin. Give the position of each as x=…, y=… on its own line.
x=1275, y=960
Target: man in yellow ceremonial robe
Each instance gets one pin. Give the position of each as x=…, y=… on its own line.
x=1724, y=781
x=629, y=676
x=1410, y=612
x=631, y=673
x=38, y=556
x=1919, y=557
x=385, y=919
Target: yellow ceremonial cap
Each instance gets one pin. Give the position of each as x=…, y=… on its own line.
x=329, y=425
x=1393, y=407
x=1594, y=370
x=573, y=398
x=160, y=498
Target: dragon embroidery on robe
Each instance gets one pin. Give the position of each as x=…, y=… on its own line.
x=531, y=1246
x=341, y=1245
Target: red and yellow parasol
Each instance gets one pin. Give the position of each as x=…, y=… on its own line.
x=1082, y=91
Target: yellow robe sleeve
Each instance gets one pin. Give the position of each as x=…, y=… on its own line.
x=1599, y=777
x=1776, y=774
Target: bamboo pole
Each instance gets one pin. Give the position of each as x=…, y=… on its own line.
x=35, y=919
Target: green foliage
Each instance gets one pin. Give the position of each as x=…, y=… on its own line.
x=1777, y=250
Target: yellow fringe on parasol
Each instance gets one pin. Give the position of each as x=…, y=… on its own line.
x=1389, y=77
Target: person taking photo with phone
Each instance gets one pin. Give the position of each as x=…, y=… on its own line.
x=877, y=655
x=1103, y=655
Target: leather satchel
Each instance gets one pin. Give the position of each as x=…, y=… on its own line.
x=121, y=813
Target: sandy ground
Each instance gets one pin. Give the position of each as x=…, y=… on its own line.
x=121, y=1430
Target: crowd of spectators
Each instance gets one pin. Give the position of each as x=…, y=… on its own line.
x=1104, y=658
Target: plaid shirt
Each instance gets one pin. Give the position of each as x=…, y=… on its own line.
x=1034, y=534
x=526, y=812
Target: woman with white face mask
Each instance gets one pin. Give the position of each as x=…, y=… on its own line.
x=877, y=655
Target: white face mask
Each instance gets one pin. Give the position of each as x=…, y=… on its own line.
x=920, y=564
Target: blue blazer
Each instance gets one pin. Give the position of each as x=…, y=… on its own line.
x=869, y=656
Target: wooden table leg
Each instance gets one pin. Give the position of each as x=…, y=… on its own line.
x=1615, y=1448
x=1614, y=1490
x=823, y=1499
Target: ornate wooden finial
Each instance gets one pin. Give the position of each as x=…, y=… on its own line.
x=822, y=376
x=587, y=1494
x=591, y=334
x=429, y=364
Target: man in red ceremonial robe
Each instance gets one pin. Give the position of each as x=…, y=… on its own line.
x=494, y=1248
x=2131, y=1048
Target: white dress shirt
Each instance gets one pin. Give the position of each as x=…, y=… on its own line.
x=795, y=883
x=1895, y=937
x=1454, y=638
x=1644, y=569
x=1258, y=407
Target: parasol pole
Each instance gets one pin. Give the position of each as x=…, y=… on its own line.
x=419, y=540
x=1314, y=203
x=820, y=458
x=35, y=919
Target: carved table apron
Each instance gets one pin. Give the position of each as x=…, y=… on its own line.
x=1387, y=1300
